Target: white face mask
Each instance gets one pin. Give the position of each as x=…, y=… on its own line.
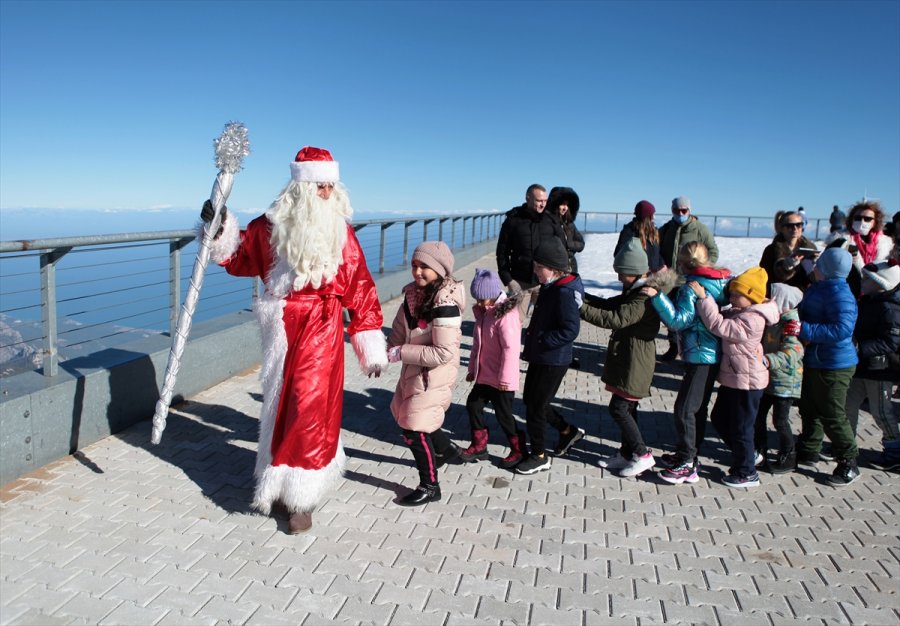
x=863, y=228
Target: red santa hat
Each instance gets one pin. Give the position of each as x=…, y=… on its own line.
x=314, y=165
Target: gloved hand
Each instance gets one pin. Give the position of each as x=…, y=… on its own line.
x=514, y=287
x=791, y=328
x=208, y=212
x=394, y=354
x=470, y=377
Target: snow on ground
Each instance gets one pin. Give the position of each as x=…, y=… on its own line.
x=596, y=270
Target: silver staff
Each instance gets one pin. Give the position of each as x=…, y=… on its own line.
x=231, y=148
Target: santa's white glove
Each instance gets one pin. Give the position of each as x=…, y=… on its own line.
x=394, y=354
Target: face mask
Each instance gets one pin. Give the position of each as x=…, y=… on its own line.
x=863, y=228
x=681, y=219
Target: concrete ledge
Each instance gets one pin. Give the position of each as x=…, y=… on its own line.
x=43, y=419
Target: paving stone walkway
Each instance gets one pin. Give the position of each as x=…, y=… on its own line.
x=129, y=533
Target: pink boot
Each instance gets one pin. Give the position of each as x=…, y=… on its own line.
x=478, y=450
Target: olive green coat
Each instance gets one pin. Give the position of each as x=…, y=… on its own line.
x=631, y=354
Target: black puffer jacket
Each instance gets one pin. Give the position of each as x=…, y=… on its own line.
x=521, y=234
x=574, y=239
x=877, y=336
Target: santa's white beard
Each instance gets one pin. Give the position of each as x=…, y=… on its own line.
x=309, y=232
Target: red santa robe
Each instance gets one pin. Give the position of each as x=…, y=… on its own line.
x=300, y=456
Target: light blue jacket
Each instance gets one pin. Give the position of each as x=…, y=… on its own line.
x=696, y=344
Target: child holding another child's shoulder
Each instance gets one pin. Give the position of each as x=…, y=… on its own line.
x=742, y=375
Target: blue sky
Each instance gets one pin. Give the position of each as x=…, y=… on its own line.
x=440, y=107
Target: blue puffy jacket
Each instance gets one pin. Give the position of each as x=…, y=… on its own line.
x=697, y=344
x=828, y=315
x=555, y=322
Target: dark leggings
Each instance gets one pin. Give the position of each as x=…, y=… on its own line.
x=624, y=412
x=781, y=417
x=425, y=447
x=692, y=408
x=502, y=403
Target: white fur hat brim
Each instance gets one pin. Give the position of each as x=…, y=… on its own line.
x=315, y=171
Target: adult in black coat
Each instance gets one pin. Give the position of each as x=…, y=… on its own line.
x=563, y=203
x=520, y=235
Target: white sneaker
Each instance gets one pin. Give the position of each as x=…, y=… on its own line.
x=637, y=465
x=613, y=462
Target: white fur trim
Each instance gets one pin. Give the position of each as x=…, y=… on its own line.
x=299, y=489
x=315, y=171
x=269, y=313
x=371, y=350
x=221, y=249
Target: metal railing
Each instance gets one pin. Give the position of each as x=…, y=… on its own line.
x=124, y=292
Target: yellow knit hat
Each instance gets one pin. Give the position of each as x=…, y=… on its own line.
x=751, y=284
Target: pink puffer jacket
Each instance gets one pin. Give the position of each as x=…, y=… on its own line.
x=496, y=344
x=430, y=356
x=741, y=332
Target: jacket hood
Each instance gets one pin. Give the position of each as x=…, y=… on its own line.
x=563, y=195
x=769, y=311
x=663, y=281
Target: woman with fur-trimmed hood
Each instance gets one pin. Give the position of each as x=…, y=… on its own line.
x=306, y=253
x=563, y=202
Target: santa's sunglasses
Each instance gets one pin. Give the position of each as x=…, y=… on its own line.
x=681, y=211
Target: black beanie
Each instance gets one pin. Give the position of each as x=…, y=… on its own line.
x=551, y=253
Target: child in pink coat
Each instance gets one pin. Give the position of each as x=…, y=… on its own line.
x=493, y=366
x=742, y=375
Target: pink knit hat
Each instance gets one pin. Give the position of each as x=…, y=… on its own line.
x=436, y=255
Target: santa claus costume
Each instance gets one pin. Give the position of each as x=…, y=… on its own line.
x=313, y=267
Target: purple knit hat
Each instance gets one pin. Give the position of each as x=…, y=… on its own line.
x=486, y=285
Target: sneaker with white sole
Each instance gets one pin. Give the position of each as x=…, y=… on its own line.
x=741, y=482
x=614, y=461
x=567, y=441
x=638, y=464
x=533, y=465
x=682, y=473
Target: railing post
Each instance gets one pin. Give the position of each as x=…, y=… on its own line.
x=748, y=226
x=406, y=226
x=384, y=227
x=175, y=246
x=453, y=233
x=48, y=310
x=715, y=223
x=441, y=228
x=472, y=240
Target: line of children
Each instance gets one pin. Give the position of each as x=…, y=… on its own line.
x=757, y=340
x=631, y=353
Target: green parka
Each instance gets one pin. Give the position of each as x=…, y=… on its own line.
x=631, y=354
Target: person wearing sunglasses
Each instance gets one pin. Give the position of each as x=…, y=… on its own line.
x=784, y=259
x=865, y=228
